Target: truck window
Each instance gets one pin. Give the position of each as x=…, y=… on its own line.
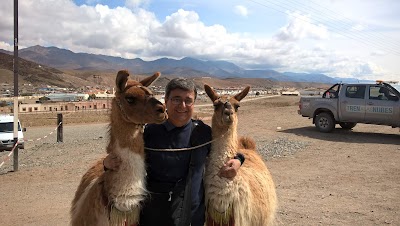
x=374, y=92
x=332, y=92
x=356, y=91
x=386, y=94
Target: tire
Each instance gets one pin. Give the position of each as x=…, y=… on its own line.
x=347, y=125
x=324, y=122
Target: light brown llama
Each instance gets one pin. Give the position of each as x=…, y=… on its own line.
x=114, y=197
x=250, y=198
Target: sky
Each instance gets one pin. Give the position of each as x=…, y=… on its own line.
x=339, y=38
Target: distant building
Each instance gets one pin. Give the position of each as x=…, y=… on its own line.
x=67, y=97
x=65, y=106
x=290, y=93
x=102, y=94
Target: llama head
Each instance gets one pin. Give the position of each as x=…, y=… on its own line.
x=136, y=102
x=225, y=107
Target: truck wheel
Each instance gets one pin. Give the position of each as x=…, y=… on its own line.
x=347, y=125
x=324, y=122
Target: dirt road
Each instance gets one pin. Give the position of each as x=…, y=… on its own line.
x=341, y=178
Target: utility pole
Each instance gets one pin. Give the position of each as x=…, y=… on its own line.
x=15, y=85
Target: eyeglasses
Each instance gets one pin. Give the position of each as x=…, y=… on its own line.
x=177, y=100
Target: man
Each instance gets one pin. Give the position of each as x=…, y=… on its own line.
x=175, y=178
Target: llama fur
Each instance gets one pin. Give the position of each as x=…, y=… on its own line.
x=114, y=197
x=250, y=197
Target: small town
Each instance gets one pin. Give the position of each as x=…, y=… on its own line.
x=55, y=99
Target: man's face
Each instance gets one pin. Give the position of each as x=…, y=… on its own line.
x=180, y=105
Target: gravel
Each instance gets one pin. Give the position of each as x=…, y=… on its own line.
x=280, y=147
x=42, y=149
x=82, y=141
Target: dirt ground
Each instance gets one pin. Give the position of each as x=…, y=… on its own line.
x=340, y=178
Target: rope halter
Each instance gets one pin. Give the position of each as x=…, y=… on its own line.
x=148, y=96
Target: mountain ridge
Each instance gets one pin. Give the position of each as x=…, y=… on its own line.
x=64, y=68
x=68, y=60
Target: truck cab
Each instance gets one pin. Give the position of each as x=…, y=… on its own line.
x=7, y=133
x=349, y=104
x=370, y=103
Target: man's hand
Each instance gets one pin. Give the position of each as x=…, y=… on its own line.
x=112, y=162
x=230, y=169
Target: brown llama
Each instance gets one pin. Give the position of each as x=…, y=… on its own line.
x=114, y=197
x=249, y=199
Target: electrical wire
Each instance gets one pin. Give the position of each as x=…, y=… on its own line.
x=354, y=36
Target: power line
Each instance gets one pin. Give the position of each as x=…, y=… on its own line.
x=348, y=26
x=340, y=31
x=354, y=35
x=397, y=44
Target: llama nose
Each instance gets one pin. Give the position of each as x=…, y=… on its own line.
x=228, y=109
x=160, y=107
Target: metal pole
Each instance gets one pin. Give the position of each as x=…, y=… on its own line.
x=60, y=136
x=15, y=110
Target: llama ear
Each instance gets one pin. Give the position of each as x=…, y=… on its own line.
x=242, y=94
x=122, y=78
x=210, y=92
x=150, y=80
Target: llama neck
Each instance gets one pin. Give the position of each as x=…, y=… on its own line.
x=226, y=144
x=125, y=135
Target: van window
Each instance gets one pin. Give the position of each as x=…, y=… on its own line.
x=8, y=127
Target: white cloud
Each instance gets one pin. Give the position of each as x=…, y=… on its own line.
x=301, y=27
x=97, y=29
x=6, y=46
x=183, y=25
x=299, y=45
x=241, y=10
x=359, y=27
x=134, y=4
x=367, y=69
x=378, y=53
x=369, y=13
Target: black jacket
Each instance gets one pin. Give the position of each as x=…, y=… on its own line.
x=167, y=170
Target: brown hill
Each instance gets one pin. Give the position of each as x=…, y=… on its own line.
x=36, y=74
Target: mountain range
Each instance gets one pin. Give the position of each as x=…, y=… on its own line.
x=63, y=59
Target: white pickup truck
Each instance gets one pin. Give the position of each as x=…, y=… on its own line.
x=349, y=104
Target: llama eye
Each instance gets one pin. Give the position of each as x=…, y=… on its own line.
x=130, y=100
x=236, y=106
x=217, y=105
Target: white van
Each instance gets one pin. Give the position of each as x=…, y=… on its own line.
x=7, y=133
